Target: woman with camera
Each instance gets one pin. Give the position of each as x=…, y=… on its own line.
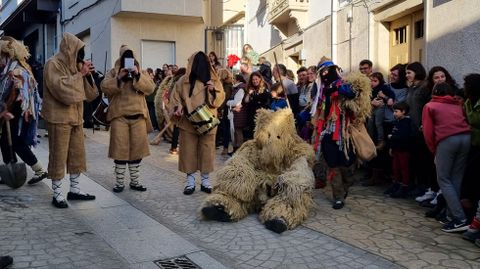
x=199, y=89
x=126, y=86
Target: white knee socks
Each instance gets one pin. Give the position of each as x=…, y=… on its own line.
x=57, y=190
x=190, y=180
x=134, y=169
x=74, y=184
x=120, y=174
x=205, y=180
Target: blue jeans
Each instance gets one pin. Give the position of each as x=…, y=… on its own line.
x=450, y=161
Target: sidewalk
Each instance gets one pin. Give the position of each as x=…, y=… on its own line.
x=132, y=229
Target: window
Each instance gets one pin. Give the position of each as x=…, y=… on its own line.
x=400, y=35
x=419, y=29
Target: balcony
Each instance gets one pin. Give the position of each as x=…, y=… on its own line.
x=175, y=9
x=283, y=12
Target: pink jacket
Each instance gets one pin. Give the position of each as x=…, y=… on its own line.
x=442, y=117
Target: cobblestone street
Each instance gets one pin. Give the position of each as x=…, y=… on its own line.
x=370, y=232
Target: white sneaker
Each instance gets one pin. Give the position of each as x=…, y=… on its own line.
x=429, y=194
x=434, y=200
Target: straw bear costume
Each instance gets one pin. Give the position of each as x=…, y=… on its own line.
x=270, y=174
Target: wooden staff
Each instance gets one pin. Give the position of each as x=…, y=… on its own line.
x=158, y=137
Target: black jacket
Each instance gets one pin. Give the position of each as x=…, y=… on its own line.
x=401, y=134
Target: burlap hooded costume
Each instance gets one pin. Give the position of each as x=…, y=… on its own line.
x=270, y=174
x=65, y=89
x=197, y=152
x=128, y=136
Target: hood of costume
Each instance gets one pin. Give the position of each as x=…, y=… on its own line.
x=190, y=90
x=18, y=88
x=65, y=88
x=127, y=98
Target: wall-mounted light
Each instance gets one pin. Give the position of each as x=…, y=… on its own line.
x=218, y=35
x=349, y=16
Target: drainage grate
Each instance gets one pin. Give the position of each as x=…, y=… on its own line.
x=177, y=263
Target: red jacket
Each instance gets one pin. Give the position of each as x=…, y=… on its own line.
x=442, y=117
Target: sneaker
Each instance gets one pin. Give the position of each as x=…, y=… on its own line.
x=434, y=201
x=455, y=226
x=471, y=235
x=444, y=219
x=426, y=196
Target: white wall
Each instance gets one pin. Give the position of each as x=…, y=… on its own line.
x=453, y=43
x=96, y=20
x=8, y=7
x=317, y=10
x=260, y=34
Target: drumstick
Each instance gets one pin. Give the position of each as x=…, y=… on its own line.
x=158, y=137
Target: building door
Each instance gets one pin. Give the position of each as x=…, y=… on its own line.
x=157, y=53
x=406, y=39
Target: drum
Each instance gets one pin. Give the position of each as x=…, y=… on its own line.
x=203, y=119
x=100, y=114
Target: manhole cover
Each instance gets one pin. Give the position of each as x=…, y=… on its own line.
x=176, y=263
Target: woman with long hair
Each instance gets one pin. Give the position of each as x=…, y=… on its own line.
x=418, y=96
x=257, y=96
x=212, y=56
x=436, y=75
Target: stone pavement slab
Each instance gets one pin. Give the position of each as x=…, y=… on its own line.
x=244, y=244
x=38, y=235
x=395, y=230
x=136, y=237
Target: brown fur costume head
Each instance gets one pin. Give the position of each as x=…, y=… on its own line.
x=15, y=50
x=360, y=106
x=277, y=140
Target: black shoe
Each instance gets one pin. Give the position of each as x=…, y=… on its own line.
x=393, y=188
x=400, y=193
x=277, y=225
x=118, y=189
x=216, y=213
x=61, y=204
x=137, y=187
x=37, y=179
x=188, y=190
x=455, y=226
x=433, y=213
x=206, y=189
x=338, y=204
x=78, y=196
x=5, y=261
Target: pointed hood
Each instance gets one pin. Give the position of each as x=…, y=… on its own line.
x=123, y=49
x=69, y=47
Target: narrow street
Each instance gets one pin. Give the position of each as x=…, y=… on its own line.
x=132, y=230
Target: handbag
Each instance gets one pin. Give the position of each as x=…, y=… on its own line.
x=100, y=114
x=364, y=147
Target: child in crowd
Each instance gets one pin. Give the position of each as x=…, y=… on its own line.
x=381, y=93
x=447, y=135
x=278, y=97
x=400, y=149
